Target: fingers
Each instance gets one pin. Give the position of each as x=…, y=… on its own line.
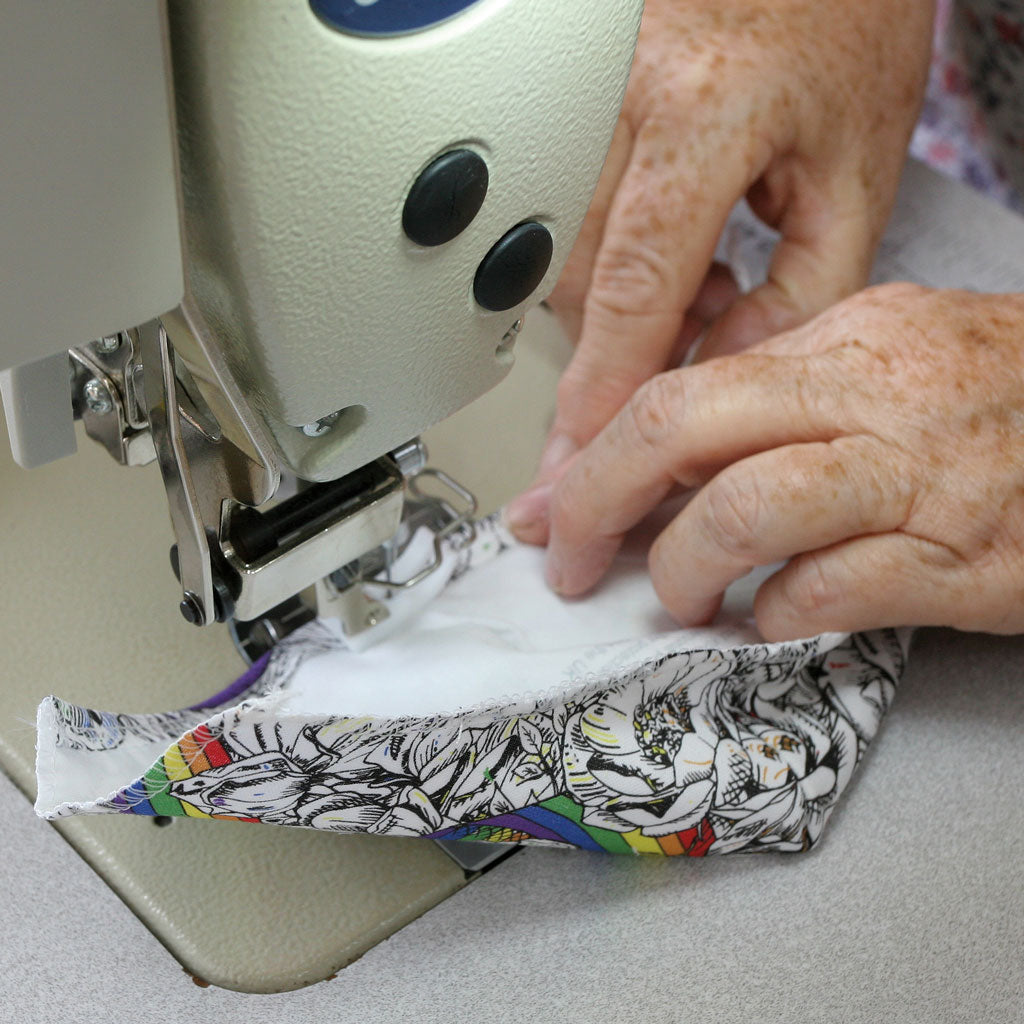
x=658, y=242
x=717, y=293
x=865, y=583
x=528, y=515
x=824, y=255
x=680, y=428
x=766, y=509
x=569, y=294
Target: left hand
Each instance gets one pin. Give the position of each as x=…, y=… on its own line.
x=879, y=448
x=803, y=106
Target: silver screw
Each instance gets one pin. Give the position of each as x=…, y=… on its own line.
x=510, y=335
x=111, y=343
x=513, y=330
x=410, y=457
x=97, y=397
x=320, y=427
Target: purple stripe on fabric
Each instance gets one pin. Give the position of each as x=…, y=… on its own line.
x=239, y=686
x=518, y=823
x=513, y=821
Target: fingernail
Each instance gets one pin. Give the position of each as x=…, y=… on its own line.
x=694, y=351
x=553, y=571
x=528, y=510
x=559, y=449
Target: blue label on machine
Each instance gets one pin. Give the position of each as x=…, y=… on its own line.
x=386, y=17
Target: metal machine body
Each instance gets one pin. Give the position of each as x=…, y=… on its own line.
x=329, y=223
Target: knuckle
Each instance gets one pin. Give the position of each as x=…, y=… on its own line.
x=862, y=471
x=865, y=318
x=887, y=294
x=810, y=397
x=630, y=277
x=733, y=513
x=808, y=590
x=654, y=410
x=866, y=359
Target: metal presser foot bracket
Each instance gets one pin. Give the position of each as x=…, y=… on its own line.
x=241, y=557
x=241, y=552
x=357, y=592
x=201, y=469
x=261, y=551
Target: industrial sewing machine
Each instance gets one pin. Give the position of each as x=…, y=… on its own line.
x=264, y=244
x=268, y=243
x=301, y=295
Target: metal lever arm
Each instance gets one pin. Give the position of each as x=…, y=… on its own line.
x=178, y=426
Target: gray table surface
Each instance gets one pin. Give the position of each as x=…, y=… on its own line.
x=911, y=909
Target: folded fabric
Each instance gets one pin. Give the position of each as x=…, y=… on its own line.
x=489, y=709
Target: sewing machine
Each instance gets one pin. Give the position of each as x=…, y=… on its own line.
x=916, y=884
x=267, y=245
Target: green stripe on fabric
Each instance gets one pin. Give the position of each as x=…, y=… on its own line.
x=606, y=838
x=156, y=790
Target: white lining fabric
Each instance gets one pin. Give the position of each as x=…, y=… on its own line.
x=486, y=707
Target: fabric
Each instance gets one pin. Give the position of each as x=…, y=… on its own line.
x=489, y=709
x=972, y=122
x=492, y=710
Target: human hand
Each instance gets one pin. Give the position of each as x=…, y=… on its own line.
x=880, y=448
x=806, y=107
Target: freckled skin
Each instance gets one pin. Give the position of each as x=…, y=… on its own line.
x=901, y=504
x=879, y=445
x=805, y=107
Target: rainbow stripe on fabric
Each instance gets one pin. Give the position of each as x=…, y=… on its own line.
x=560, y=820
x=196, y=752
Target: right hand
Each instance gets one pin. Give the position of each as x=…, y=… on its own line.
x=805, y=107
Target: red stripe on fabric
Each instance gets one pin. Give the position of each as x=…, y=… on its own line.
x=697, y=841
x=215, y=753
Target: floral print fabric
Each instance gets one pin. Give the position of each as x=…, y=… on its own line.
x=972, y=123
x=667, y=749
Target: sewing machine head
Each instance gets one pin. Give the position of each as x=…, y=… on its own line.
x=330, y=220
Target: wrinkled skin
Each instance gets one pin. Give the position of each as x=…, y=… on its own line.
x=879, y=447
x=805, y=106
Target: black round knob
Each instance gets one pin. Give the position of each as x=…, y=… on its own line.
x=445, y=198
x=514, y=268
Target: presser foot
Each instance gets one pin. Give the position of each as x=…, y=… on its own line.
x=357, y=593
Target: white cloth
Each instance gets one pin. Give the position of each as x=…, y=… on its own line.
x=491, y=709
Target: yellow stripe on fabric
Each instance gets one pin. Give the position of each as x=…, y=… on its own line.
x=175, y=765
x=642, y=843
x=191, y=811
